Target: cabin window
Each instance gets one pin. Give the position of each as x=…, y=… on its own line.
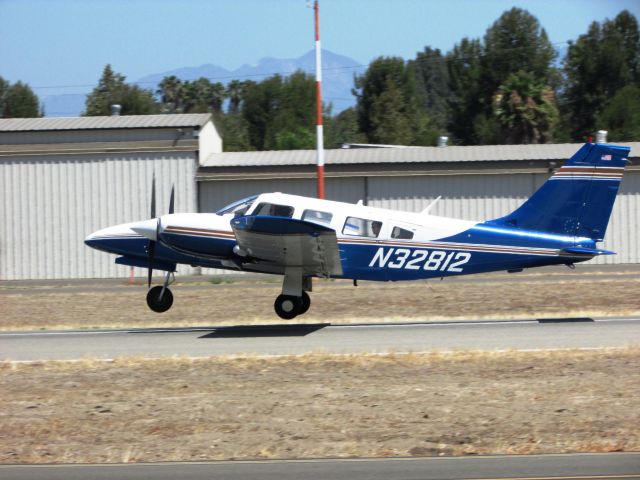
x=361, y=227
x=401, y=233
x=316, y=216
x=273, y=210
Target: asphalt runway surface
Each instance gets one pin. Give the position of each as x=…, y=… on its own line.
x=287, y=339
x=549, y=467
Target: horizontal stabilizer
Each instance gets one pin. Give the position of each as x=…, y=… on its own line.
x=581, y=251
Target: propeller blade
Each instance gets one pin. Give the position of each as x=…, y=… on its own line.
x=153, y=197
x=171, y=199
x=151, y=247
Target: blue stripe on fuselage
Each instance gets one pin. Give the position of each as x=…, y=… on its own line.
x=483, y=248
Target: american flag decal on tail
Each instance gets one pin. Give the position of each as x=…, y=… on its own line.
x=606, y=157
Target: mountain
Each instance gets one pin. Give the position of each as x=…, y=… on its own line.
x=337, y=79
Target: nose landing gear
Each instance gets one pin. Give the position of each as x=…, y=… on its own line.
x=160, y=298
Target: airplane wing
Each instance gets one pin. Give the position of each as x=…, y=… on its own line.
x=285, y=242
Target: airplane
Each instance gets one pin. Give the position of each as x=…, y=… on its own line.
x=301, y=237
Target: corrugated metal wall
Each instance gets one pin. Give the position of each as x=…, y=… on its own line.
x=622, y=234
x=214, y=195
x=48, y=205
x=101, y=135
x=469, y=197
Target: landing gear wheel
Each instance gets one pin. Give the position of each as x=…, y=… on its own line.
x=287, y=306
x=158, y=304
x=305, y=303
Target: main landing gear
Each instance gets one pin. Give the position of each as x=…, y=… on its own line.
x=160, y=298
x=289, y=306
x=294, y=299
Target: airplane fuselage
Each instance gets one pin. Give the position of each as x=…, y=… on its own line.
x=374, y=243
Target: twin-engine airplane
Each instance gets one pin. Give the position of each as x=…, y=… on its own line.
x=302, y=238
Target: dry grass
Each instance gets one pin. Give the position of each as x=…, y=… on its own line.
x=336, y=302
x=133, y=410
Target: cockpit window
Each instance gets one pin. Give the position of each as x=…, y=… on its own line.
x=239, y=207
x=273, y=210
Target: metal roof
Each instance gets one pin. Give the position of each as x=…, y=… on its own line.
x=102, y=123
x=347, y=156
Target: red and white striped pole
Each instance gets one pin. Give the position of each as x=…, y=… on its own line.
x=319, y=133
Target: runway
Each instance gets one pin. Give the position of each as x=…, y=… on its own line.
x=287, y=339
x=532, y=467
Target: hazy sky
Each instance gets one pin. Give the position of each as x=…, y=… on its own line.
x=65, y=43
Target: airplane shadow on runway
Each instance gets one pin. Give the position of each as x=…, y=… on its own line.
x=282, y=330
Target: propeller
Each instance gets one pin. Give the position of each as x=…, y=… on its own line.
x=153, y=238
x=151, y=245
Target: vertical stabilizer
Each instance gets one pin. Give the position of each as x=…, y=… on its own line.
x=578, y=198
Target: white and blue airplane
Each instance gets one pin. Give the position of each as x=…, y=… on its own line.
x=301, y=238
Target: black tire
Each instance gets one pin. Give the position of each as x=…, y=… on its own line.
x=305, y=303
x=156, y=303
x=287, y=306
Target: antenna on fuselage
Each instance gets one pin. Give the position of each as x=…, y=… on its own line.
x=430, y=206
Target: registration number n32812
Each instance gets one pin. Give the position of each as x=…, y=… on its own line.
x=410, y=259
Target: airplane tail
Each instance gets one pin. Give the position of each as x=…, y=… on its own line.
x=578, y=198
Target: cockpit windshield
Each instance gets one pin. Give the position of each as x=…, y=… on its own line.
x=239, y=207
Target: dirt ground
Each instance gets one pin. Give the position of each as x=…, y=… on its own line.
x=241, y=303
x=134, y=410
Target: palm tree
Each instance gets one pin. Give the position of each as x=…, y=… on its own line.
x=170, y=90
x=235, y=91
x=526, y=109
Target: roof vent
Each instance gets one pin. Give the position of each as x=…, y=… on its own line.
x=443, y=141
x=601, y=136
x=115, y=110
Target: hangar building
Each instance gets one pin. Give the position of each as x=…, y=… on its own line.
x=63, y=178
x=475, y=182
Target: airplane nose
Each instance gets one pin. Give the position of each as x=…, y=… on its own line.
x=98, y=239
x=147, y=228
x=112, y=239
x=88, y=241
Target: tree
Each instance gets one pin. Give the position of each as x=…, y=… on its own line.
x=477, y=70
x=525, y=109
x=621, y=117
x=343, y=128
x=389, y=124
x=598, y=65
x=18, y=100
x=4, y=86
x=280, y=112
x=235, y=93
x=170, y=92
x=234, y=131
x=516, y=42
x=112, y=90
x=388, y=104
x=466, y=98
x=432, y=84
